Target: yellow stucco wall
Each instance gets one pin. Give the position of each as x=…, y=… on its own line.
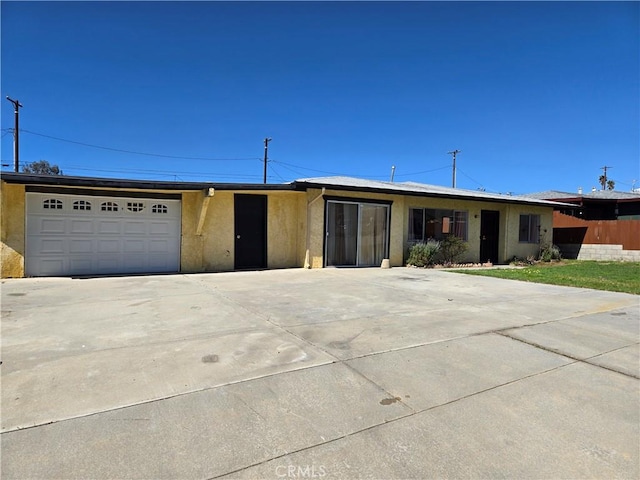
x=315, y=239
x=512, y=227
x=12, y=224
x=398, y=248
x=295, y=228
x=508, y=246
x=286, y=228
x=213, y=248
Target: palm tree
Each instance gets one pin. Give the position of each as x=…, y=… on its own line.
x=611, y=184
x=603, y=181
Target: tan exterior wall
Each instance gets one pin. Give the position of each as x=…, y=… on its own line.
x=295, y=228
x=12, y=225
x=473, y=228
x=316, y=209
x=512, y=227
x=286, y=229
x=315, y=235
x=212, y=248
x=508, y=246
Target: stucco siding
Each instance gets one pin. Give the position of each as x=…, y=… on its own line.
x=12, y=225
x=212, y=249
x=295, y=226
x=315, y=224
x=473, y=227
x=192, y=245
x=316, y=209
x=513, y=247
x=508, y=245
x=283, y=229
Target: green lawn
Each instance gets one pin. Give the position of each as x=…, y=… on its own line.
x=611, y=276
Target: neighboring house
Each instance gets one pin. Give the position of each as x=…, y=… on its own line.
x=602, y=225
x=65, y=226
x=596, y=204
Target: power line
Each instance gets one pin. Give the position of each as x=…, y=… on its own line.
x=136, y=153
x=422, y=172
x=277, y=174
x=475, y=181
x=285, y=165
x=320, y=171
x=165, y=173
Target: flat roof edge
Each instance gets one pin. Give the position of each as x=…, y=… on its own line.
x=68, y=181
x=514, y=199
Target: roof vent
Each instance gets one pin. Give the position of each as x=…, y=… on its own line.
x=580, y=190
x=593, y=189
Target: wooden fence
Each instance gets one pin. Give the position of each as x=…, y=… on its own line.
x=572, y=230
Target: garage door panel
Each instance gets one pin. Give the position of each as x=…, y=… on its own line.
x=135, y=246
x=51, y=245
x=160, y=246
x=52, y=225
x=109, y=263
x=108, y=246
x=87, y=235
x=159, y=263
x=51, y=266
x=159, y=228
x=82, y=226
x=81, y=265
x=81, y=246
x=135, y=228
x=107, y=227
x=135, y=263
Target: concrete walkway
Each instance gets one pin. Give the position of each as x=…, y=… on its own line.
x=334, y=373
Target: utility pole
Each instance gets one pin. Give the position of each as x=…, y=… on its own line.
x=454, y=153
x=16, y=137
x=266, y=151
x=604, y=177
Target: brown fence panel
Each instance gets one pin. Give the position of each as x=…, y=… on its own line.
x=568, y=229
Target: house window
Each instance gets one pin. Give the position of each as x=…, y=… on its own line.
x=109, y=207
x=529, y=229
x=159, y=208
x=426, y=223
x=135, y=206
x=81, y=205
x=52, y=204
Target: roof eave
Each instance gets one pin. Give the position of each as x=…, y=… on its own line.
x=69, y=181
x=389, y=191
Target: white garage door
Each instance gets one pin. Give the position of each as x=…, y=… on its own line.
x=87, y=235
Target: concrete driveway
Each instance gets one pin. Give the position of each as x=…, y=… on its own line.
x=334, y=373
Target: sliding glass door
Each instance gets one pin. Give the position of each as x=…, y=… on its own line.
x=357, y=234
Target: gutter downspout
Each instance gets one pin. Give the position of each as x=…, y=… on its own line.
x=307, y=257
x=204, y=206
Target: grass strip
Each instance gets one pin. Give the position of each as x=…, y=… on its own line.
x=609, y=276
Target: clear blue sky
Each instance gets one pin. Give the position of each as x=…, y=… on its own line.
x=537, y=95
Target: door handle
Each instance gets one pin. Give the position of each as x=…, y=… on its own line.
x=238, y=237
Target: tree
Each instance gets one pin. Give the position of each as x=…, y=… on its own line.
x=611, y=184
x=602, y=181
x=41, y=167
